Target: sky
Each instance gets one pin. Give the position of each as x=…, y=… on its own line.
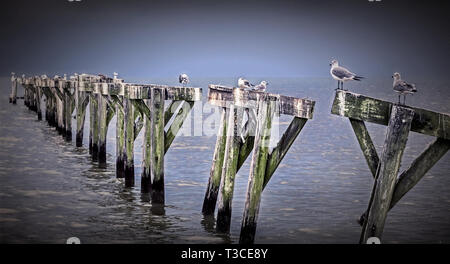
x=145, y=39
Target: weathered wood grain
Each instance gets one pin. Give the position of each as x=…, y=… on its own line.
x=223, y=96
x=366, y=144
x=377, y=111
x=231, y=157
x=215, y=174
x=396, y=137
x=157, y=145
x=265, y=110
x=177, y=123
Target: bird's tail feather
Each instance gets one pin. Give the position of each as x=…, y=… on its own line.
x=358, y=78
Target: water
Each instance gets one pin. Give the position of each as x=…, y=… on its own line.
x=50, y=190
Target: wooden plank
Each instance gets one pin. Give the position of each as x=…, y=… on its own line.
x=286, y=141
x=231, y=157
x=157, y=145
x=141, y=107
x=410, y=177
x=146, y=178
x=143, y=91
x=68, y=117
x=82, y=101
x=38, y=102
x=223, y=96
x=93, y=128
x=129, y=142
x=366, y=144
x=170, y=111
x=13, y=96
x=177, y=123
x=266, y=109
x=215, y=174
x=394, y=145
x=102, y=130
x=120, y=139
x=376, y=111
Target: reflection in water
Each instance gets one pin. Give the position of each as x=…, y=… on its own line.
x=50, y=190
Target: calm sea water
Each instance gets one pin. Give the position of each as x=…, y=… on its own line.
x=50, y=190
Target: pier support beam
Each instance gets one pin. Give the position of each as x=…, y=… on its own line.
x=93, y=128
x=38, y=102
x=120, y=138
x=231, y=158
x=146, y=178
x=209, y=203
x=102, y=130
x=67, y=116
x=129, y=142
x=257, y=169
x=82, y=101
x=394, y=145
x=157, y=145
x=13, y=96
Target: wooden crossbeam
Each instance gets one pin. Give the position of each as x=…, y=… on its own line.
x=139, y=91
x=224, y=96
x=177, y=123
x=377, y=111
x=366, y=144
x=385, y=179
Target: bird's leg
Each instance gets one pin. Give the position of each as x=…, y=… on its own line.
x=404, y=99
x=399, y=99
x=337, y=87
x=342, y=85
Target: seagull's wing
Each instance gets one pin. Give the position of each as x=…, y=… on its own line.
x=342, y=72
x=180, y=78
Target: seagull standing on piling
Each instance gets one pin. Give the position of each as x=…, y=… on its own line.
x=402, y=87
x=244, y=84
x=261, y=87
x=341, y=74
x=183, y=79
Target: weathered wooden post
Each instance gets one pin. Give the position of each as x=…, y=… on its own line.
x=394, y=145
x=128, y=109
x=388, y=188
x=68, y=109
x=106, y=113
x=120, y=137
x=212, y=191
x=93, y=128
x=231, y=157
x=13, y=96
x=240, y=141
x=157, y=144
x=81, y=102
x=265, y=110
x=149, y=101
x=38, y=88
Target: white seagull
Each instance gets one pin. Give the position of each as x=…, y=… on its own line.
x=244, y=84
x=261, y=87
x=402, y=87
x=341, y=74
x=183, y=79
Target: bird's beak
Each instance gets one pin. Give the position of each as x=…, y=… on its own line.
x=392, y=76
x=330, y=64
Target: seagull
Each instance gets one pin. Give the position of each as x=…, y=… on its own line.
x=243, y=83
x=261, y=87
x=341, y=74
x=402, y=87
x=183, y=79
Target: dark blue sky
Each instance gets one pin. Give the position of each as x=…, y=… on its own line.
x=144, y=39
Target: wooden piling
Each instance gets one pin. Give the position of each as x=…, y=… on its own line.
x=102, y=130
x=366, y=144
x=157, y=145
x=38, y=102
x=120, y=138
x=231, y=158
x=257, y=169
x=146, y=178
x=394, y=145
x=14, y=83
x=81, y=101
x=209, y=203
x=67, y=116
x=128, y=142
x=93, y=129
